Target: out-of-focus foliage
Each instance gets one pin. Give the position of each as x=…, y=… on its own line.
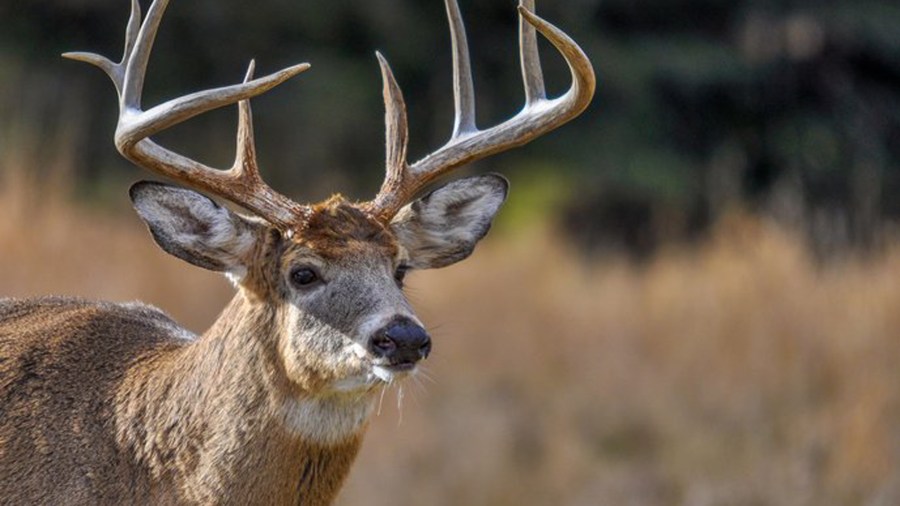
x=791, y=108
x=738, y=372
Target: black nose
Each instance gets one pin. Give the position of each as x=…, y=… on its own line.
x=401, y=342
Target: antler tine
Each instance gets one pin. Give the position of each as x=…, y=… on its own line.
x=530, y=59
x=463, y=87
x=136, y=59
x=115, y=71
x=245, y=156
x=396, y=130
x=241, y=183
x=131, y=30
x=396, y=126
x=467, y=143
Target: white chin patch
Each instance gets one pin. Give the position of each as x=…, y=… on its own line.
x=363, y=381
x=366, y=380
x=354, y=383
x=236, y=276
x=383, y=374
x=358, y=350
x=326, y=421
x=378, y=374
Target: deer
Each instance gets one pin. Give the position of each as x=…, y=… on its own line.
x=116, y=403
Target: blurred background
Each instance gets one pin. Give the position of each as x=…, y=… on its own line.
x=691, y=296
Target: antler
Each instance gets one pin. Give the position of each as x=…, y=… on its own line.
x=241, y=184
x=468, y=143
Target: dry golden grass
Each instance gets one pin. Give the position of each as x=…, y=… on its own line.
x=738, y=373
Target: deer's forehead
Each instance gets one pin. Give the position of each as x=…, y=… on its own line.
x=335, y=230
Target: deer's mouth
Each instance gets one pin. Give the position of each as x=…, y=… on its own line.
x=402, y=367
x=388, y=373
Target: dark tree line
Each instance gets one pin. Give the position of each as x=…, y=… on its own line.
x=787, y=108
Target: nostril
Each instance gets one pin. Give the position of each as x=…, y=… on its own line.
x=401, y=341
x=425, y=349
x=382, y=344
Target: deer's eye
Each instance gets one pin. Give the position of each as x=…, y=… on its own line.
x=304, y=277
x=400, y=274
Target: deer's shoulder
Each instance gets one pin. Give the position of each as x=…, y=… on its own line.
x=73, y=315
x=65, y=338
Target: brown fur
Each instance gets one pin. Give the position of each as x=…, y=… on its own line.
x=334, y=228
x=105, y=403
x=113, y=408
x=115, y=404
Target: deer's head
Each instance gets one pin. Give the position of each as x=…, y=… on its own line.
x=334, y=284
x=330, y=274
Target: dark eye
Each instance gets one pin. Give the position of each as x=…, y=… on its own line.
x=304, y=277
x=400, y=273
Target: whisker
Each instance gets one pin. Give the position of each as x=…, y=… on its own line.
x=381, y=398
x=422, y=373
x=417, y=382
x=435, y=327
x=399, y=404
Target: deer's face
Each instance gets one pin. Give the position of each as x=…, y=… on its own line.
x=347, y=324
x=332, y=286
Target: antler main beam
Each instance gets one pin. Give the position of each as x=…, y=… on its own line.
x=467, y=143
x=241, y=183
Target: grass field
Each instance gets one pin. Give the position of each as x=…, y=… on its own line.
x=739, y=372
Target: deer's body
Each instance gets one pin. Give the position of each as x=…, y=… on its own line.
x=58, y=397
x=106, y=403
x=116, y=403
x=120, y=405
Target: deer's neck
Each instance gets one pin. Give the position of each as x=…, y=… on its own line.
x=218, y=421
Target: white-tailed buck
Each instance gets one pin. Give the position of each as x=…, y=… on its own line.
x=104, y=403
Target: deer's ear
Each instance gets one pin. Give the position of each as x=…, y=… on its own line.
x=443, y=227
x=194, y=228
